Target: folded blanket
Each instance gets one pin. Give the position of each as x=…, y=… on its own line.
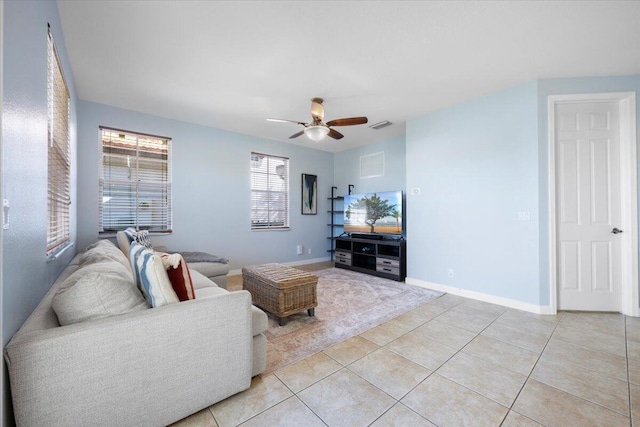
x=202, y=257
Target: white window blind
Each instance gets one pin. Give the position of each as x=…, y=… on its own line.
x=59, y=155
x=135, y=181
x=269, y=192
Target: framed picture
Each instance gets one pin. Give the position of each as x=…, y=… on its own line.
x=309, y=194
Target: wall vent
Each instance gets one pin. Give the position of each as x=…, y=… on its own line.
x=372, y=165
x=380, y=125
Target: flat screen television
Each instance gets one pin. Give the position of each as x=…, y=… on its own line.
x=373, y=213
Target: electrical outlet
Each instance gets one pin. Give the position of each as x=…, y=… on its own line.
x=451, y=272
x=309, y=251
x=524, y=216
x=299, y=250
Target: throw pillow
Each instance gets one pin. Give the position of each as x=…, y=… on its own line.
x=144, y=238
x=106, y=267
x=95, y=296
x=151, y=277
x=179, y=275
x=102, y=253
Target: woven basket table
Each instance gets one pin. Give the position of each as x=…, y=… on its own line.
x=281, y=290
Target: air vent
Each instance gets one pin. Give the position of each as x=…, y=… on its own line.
x=380, y=125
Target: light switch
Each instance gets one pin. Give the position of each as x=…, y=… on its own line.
x=415, y=191
x=5, y=214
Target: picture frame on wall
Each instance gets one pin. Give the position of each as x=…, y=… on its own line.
x=309, y=194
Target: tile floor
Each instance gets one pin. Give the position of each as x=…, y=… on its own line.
x=455, y=362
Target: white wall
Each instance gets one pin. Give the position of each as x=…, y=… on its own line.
x=26, y=274
x=211, y=188
x=477, y=167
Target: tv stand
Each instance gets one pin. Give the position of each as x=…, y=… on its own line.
x=383, y=258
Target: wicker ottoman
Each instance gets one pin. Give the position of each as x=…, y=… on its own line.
x=281, y=290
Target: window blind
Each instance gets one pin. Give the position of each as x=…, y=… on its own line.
x=135, y=182
x=59, y=156
x=269, y=192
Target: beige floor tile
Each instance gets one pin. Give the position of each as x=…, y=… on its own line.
x=401, y=416
x=492, y=381
x=351, y=350
x=428, y=311
x=263, y=394
x=633, y=349
x=345, y=399
x=390, y=372
x=634, y=371
x=302, y=374
x=203, y=418
x=592, y=339
x=447, y=404
x=421, y=350
x=447, y=301
x=290, y=413
x=512, y=334
x=528, y=323
x=383, y=334
x=635, y=404
x=485, y=307
x=473, y=320
x=518, y=316
x=514, y=419
x=410, y=320
x=606, y=323
x=598, y=388
x=500, y=353
x=553, y=407
x=633, y=332
x=598, y=361
x=446, y=334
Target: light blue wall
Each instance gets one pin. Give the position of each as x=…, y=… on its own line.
x=346, y=167
x=476, y=165
x=211, y=188
x=27, y=276
x=548, y=87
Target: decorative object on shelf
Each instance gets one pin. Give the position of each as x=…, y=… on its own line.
x=309, y=194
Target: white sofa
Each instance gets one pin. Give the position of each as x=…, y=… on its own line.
x=149, y=367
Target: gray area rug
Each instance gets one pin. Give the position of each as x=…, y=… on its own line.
x=349, y=304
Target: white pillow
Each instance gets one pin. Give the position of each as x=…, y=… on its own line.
x=95, y=296
x=151, y=277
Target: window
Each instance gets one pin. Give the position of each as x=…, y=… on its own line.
x=269, y=192
x=59, y=155
x=135, y=181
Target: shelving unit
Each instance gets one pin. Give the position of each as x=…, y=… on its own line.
x=383, y=258
x=333, y=225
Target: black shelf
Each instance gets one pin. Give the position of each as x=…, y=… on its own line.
x=383, y=258
x=332, y=225
x=335, y=198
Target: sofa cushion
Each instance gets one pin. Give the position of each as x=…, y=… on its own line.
x=209, y=292
x=104, y=252
x=97, y=295
x=210, y=269
x=106, y=267
x=259, y=320
x=179, y=275
x=199, y=280
x=150, y=276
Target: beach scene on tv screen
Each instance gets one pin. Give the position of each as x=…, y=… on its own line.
x=374, y=213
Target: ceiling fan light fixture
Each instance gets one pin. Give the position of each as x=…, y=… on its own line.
x=316, y=132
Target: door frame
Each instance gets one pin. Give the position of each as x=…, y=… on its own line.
x=629, y=193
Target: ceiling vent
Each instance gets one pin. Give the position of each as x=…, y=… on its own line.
x=380, y=125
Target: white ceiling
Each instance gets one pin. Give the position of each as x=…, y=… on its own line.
x=231, y=65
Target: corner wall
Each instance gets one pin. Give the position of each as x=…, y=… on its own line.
x=476, y=165
x=26, y=274
x=211, y=188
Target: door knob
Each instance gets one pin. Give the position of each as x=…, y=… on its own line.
x=616, y=231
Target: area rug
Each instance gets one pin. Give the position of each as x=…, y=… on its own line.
x=349, y=304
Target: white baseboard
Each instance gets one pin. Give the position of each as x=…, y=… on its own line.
x=290, y=264
x=506, y=302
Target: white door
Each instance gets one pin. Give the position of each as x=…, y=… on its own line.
x=588, y=203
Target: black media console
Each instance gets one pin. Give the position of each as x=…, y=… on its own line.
x=384, y=258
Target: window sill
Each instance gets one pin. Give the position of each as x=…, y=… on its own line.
x=270, y=228
x=55, y=255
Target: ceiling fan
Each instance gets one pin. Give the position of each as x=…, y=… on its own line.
x=316, y=130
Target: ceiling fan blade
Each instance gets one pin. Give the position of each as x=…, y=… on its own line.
x=348, y=122
x=285, y=121
x=295, y=135
x=335, y=134
x=317, y=109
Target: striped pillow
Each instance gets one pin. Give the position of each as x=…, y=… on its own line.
x=179, y=275
x=144, y=238
x=151, y=277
